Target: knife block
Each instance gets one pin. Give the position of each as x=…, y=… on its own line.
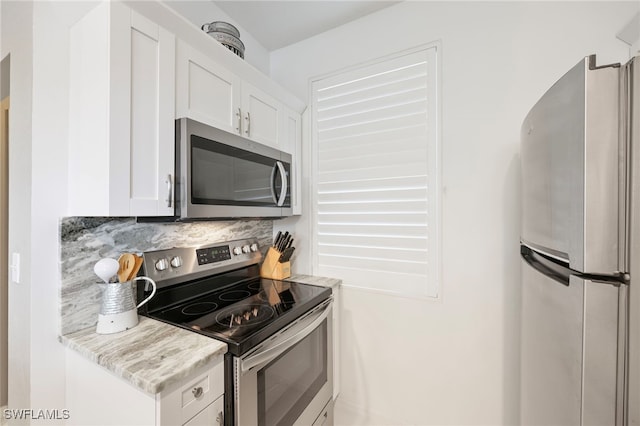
x=273, y=269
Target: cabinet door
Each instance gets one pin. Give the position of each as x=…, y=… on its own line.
x=152, y=113
x=206, y=91
x=292, y=144
x=261, y=116
x=121, y=109
x=210, y=416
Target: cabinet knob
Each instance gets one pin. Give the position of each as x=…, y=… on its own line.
x=197, y=392
x=220, y=418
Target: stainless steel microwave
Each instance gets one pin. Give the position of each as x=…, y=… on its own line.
x=223, y=175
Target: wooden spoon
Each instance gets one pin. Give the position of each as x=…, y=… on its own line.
x=136, y=267
x=127, y=263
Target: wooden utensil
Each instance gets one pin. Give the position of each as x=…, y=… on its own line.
x=136, y=268
x=127, y=262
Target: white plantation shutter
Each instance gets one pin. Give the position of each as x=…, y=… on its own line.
x=376, y=175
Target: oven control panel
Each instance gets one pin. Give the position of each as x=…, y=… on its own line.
x=170, y=266
x=213, y=254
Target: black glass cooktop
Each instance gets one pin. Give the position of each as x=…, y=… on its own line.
x=236, y=308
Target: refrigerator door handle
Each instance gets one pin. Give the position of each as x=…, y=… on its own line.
x=545, y=266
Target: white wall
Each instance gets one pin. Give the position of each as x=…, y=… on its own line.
x=36, y=36
x=455, y=361
x=200, y=12
x=51, y=20
x=16, y=39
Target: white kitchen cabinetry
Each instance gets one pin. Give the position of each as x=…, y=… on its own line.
x=194, y=401
x=261, y=116
x=97, y=396
x=212, y=415
x=208, y=92
x=337, y=326
x=292, y=144
x=121, y=130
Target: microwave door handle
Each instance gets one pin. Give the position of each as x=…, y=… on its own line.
x=283, y=191
x=277, y=348
x=272, y=183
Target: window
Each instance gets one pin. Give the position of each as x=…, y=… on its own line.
x=376, y=175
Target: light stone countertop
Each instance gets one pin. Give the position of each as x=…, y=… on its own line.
x=309, y=279
x=150, y=355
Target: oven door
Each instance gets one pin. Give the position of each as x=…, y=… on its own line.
x=288, y=379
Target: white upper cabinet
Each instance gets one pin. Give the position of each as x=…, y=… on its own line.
x=152, y=111
x=134, y=69
x=122, y=98
x=292, y=144
x=206, y=91
x=261, y=116
x=210, y=93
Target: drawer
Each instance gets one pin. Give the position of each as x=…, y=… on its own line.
x=201, y=391
x=213, y=415
x=183, y=400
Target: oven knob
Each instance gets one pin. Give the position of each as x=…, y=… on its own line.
x=254, y=247
x=237, y=250
x=176, y=261
x=162, y=264
x=246, y=249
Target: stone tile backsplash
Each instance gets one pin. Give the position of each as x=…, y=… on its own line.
x=85, y=240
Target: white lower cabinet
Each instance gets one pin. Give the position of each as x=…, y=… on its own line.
x=210, y=416
x=337, y=325
x=193, y=399
x=95, y=396
x=326, y=417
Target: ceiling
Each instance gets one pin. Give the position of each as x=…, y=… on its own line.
x=277, y=24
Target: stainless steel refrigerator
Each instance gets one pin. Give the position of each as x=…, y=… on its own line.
x=580, y=249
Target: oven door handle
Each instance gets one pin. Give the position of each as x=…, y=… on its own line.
x=301, y=329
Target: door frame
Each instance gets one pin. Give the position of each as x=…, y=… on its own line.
x=4, y=246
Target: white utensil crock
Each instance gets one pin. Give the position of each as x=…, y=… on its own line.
x=118, y=311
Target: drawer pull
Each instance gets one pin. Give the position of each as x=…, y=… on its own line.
x=169, y=190
x=197, y=392
x=220, y=418
x=239, y=115
x=248, y=131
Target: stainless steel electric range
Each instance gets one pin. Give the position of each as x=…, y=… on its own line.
x=278, y=368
